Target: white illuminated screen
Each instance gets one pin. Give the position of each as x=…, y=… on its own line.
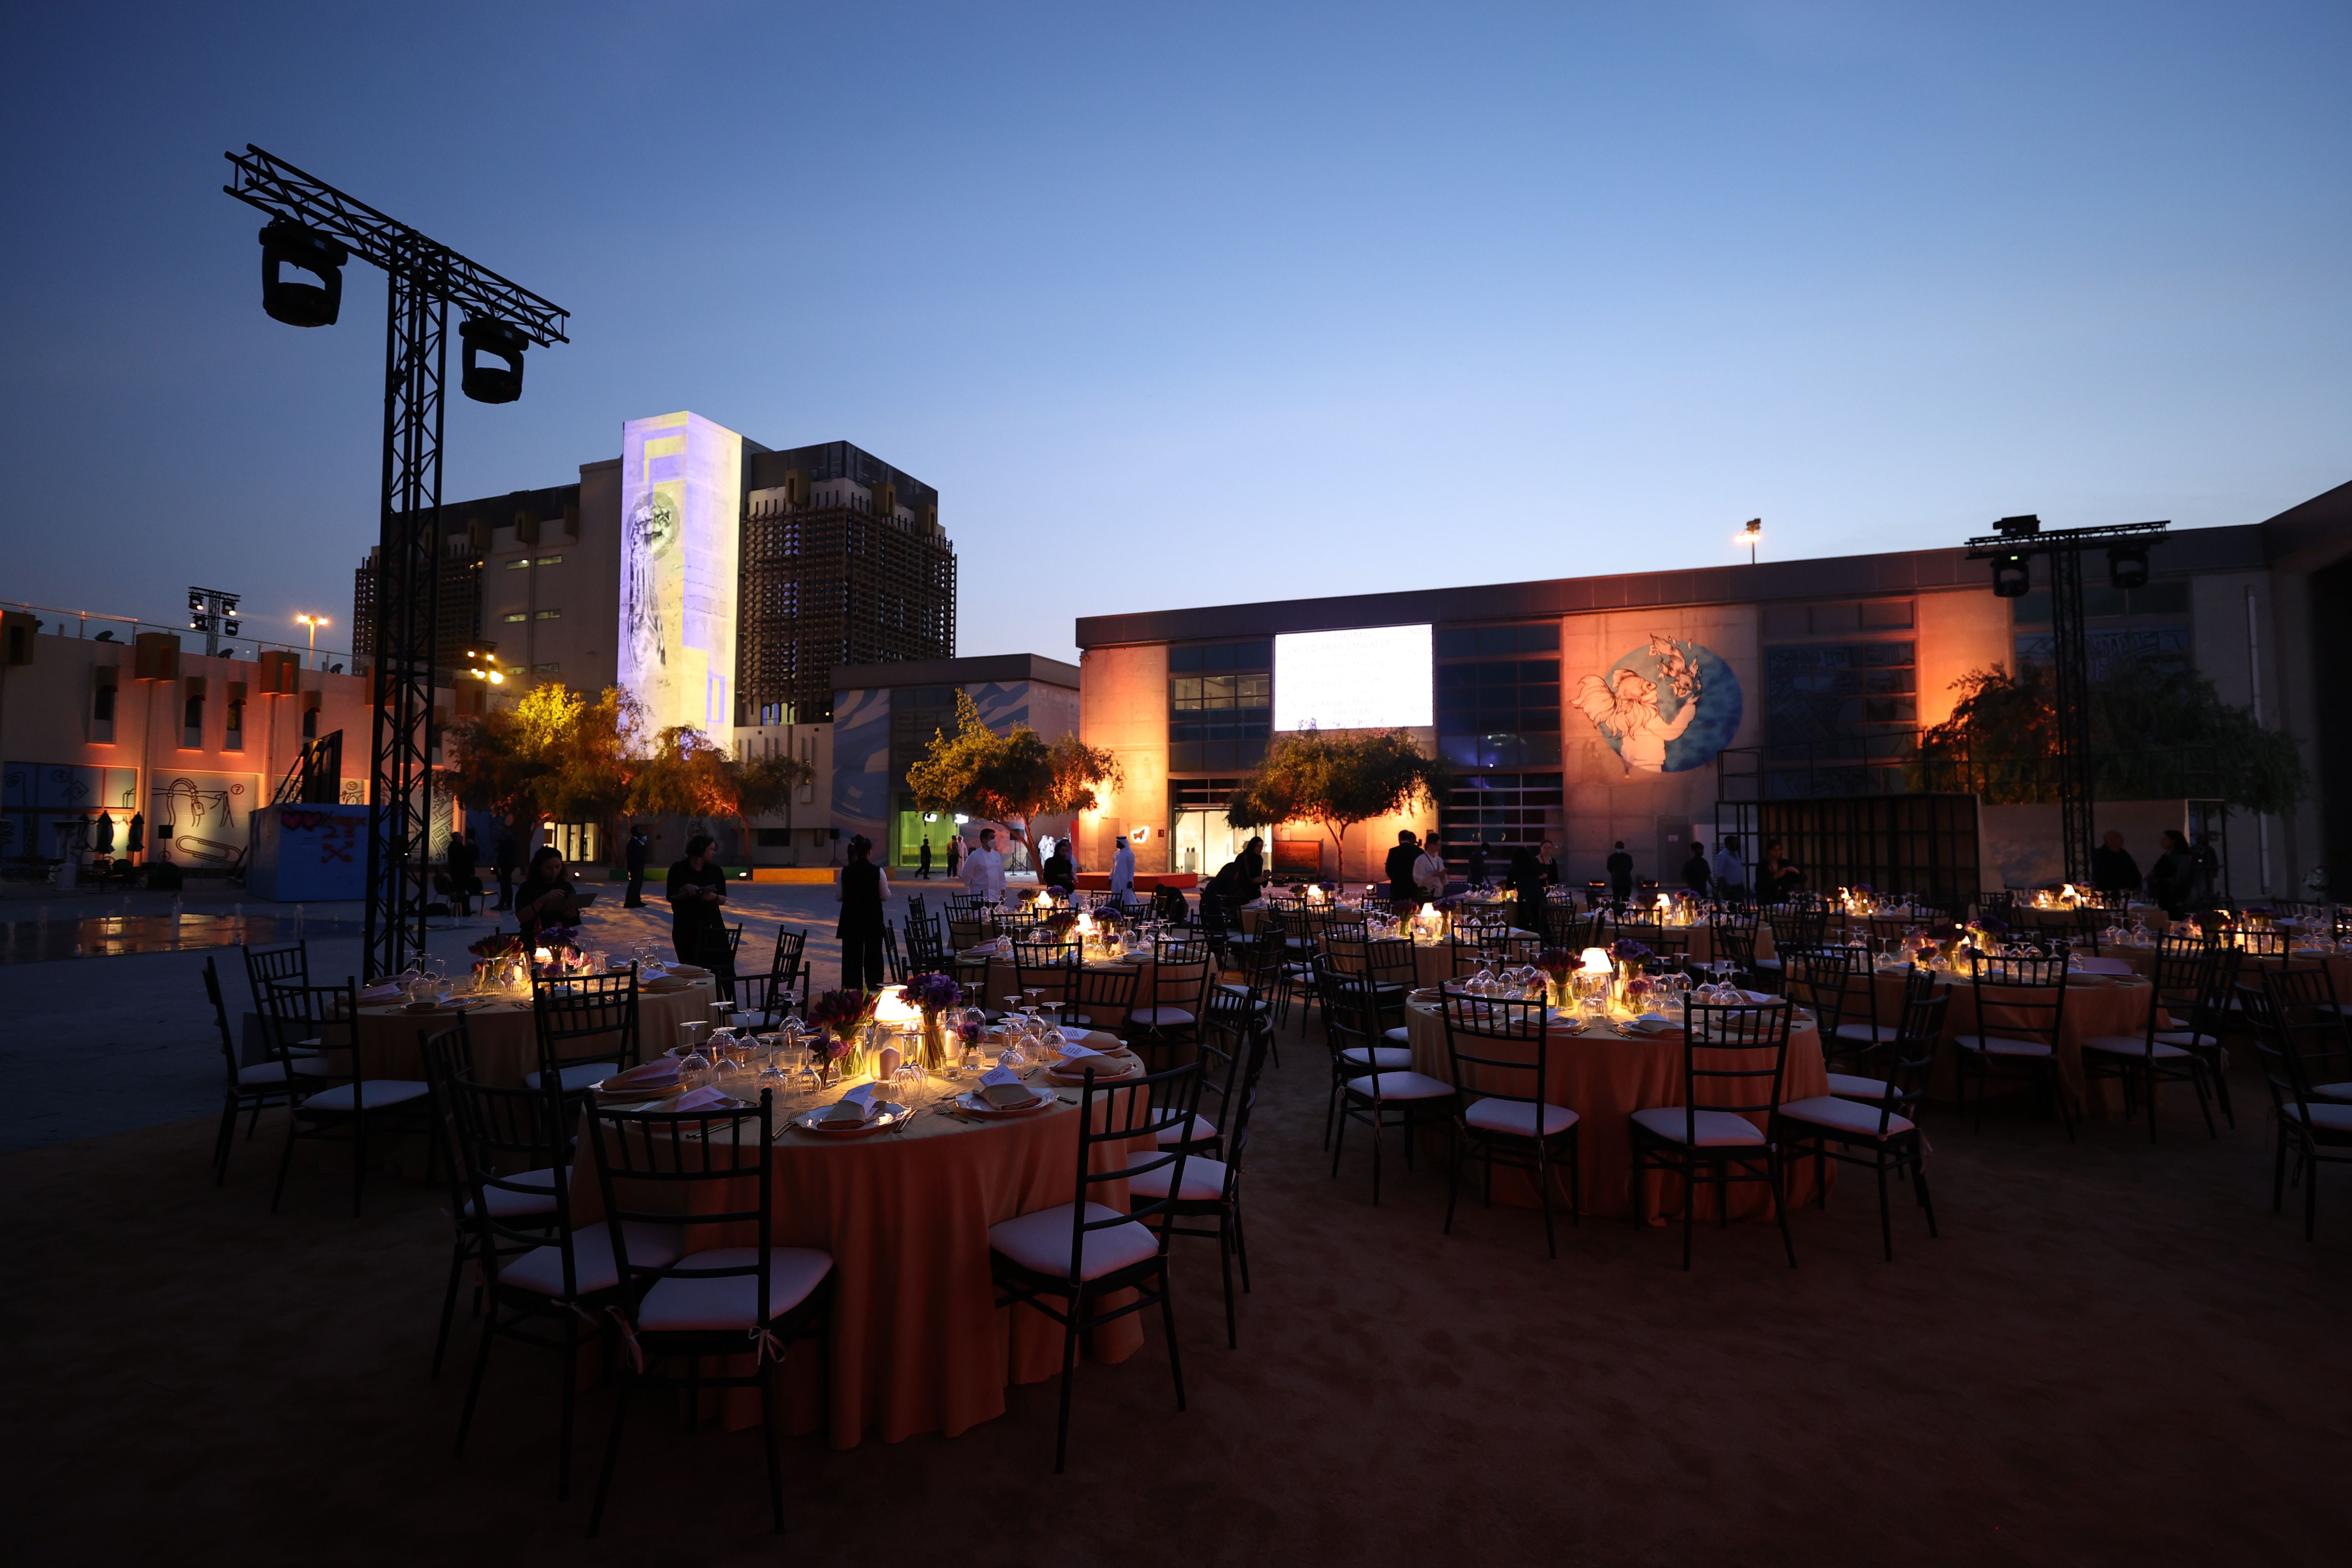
x=1377, y=677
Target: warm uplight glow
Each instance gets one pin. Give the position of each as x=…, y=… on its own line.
x=1596, y=960
x=890, y=1010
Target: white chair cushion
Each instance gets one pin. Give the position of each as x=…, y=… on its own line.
x=1995, y=1045
x=2183, y=1038
x=1379, y=1058
x=1041, y=1242
x=382, y=1093
x=1401, y=1085
x=1191, y=1131
x=1716, y=1129
x=261, y=1075
x=2333, y=1091
x=1400, y=1035
x=576, y=1077
x=542, y=1269
x=1205, y=1181
x=1867, y=1034
x=508, y=1204
x=1517, y=1117
x=2131, y=1046
x=1159, y=1018
x=1851, y=1088
x=2324, y=1118
x=682, y=1303
x=1845, y=1115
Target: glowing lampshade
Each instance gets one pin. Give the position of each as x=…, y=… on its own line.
x=1596, y=960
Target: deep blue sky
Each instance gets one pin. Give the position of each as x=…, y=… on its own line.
x=1183, y=306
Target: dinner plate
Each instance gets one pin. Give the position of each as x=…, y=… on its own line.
x=972, y=1105
x=889, y=1116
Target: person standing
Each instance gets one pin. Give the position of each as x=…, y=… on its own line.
x=1730, y=871
x=1547, y=859
x=1476, y=870
x=1122, y=870
x=923, y=861
x=955, y=855
x=698, y=918
x=1524, y=878
x=639, y=848
x=1057, y=871
x=862, y=889
x=2172, y=880
x=1403, y=885
x=2204, y=872
x=1694, y=874
x=1621, y=873
x=983, y=869
x=1249, y=869
x=507, y=860
x=464, y=855
x=2113, y=869
x=1782, y=875
x=1429, y=872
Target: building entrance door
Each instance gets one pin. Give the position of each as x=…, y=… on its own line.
x=1203, y=841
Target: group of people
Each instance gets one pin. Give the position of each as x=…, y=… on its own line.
x=2184, y=878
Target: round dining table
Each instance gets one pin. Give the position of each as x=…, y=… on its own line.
x=504, y=1031
x=1605, y=1074
x=2096, y=1005
x=917, y=1343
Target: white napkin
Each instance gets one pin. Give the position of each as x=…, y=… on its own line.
x=1652, y=1022
x=700, y=1099
x=1003, y=1087
x=1751, y=996
x=853, y=1109
x=1072, y=1051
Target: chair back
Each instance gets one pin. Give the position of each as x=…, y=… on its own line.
x=893, y=962
x=2258, y=943
x=294, y=1016
x=1390, y=961
x=971, y=926
x=1351, y=1013
x=1733, y=935
x=1794, y=925
x=2018, y=998
x=585, y=1018
x=1125, y=1121
x=1235, y=1054
x=1103, y=993
x=1048, y=966
x=706, y=1172
x=2184, y=979
x=220, y=1018
x=1823, y=976
x=500, y=1132
x=2309, y=1022
x=1499, y=1049
x=266, y=966
x=1911, y=1056
x=1733, y=1057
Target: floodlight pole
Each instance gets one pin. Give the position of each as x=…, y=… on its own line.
x=423, y=277
x=2071, y=666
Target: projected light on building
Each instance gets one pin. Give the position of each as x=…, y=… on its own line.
x=1373, y=677
x=681, y=512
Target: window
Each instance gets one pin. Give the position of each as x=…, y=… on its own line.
x=551, y=561
x=518, y=615
x=1221, y=656
x=192, y=722
x=309, y=724
x=550, y=669
x=102, y=708
x=545, y=616
x=1188, y=694
x=233, y=728
x=1502, y=811
x=1498, y=712
x=1220, y=705
x=520, y=564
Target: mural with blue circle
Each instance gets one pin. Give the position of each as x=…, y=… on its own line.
x=1666, y=707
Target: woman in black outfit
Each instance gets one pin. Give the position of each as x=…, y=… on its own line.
x=697, y=903
x=1525, y=878
x=862, y=890
x=545, y=897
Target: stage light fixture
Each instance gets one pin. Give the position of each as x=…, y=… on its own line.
x=2023, y=527
x=288, y=244
x=2013, y=576
x=492, y=382
x=2128, y=566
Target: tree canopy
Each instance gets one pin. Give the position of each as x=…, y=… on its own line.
x=1011, y=778
x=2159, y=731
x=1334, y=780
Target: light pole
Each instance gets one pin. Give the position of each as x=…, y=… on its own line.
x=1749, y=535
x=314, y=622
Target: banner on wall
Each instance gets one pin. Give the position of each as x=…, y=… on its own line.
x=1665, y=707
x=681, y=516
x=200, y=818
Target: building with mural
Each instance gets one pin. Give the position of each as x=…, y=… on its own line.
x=884, y=716
x=1661, y=707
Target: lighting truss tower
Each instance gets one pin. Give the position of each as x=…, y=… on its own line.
x=315, y=224
x=2010, y=550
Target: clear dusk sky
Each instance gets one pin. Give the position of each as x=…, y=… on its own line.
x=1185, y=305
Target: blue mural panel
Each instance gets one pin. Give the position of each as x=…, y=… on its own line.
x=1666, y=707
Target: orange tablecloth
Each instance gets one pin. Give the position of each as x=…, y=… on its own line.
x=1605, y=1076
x=506, y=1037
x=2339, y=965
x=2095, y=1004
x=917, y=1343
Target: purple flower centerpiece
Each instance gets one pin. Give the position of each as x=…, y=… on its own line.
x=840, y=1017
x=1625, y=950
x=934, y=994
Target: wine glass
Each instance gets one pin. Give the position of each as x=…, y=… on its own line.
x=910, y=1085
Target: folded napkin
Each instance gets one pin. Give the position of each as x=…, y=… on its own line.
x=386, y=991
x=854, y=1109
x=1072, y=1051
x=700, y=1099
x=1651, y=1023
x=1751, y=996
x=1003, y=1087
x=2102, y=966
x=660, y=1073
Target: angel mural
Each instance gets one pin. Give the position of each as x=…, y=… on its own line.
x=1624, y=705
x=652, y=530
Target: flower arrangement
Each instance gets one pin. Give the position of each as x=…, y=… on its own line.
x=1060, y=922
x=839, y=1015
x=931, y=992
x=1625, y=950
x=501, y=944
x=1638, y=989
x=1557, y=962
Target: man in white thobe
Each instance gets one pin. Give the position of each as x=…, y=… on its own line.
x=983, y=869
x=1730, y=871
x=1122, y=870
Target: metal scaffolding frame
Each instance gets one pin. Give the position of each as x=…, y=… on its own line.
x=423, y=279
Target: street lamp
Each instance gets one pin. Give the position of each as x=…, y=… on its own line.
x=314, y=622
x=1750, y=533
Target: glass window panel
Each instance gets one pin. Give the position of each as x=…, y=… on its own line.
x=1183, y=658
x=1538, y=639
x=1454, y=643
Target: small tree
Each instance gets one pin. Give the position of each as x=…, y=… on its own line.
x=690, y=775
x=1335, y=780
x=1013, y=778
x=555, y=753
